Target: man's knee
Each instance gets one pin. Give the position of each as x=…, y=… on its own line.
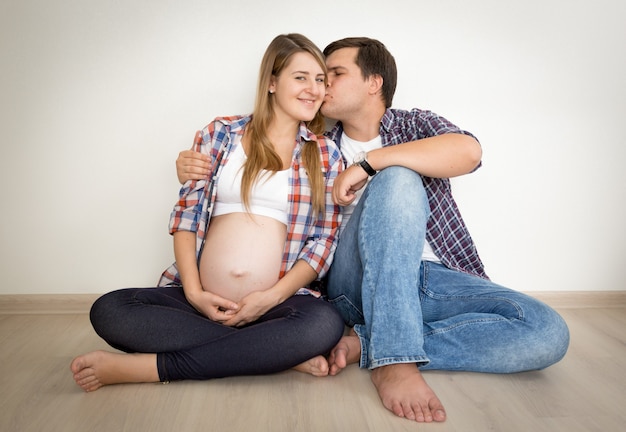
x=396, y=176
x=398, y=185
x=556, y=339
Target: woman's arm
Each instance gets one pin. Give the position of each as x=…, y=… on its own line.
x=185, y=220
x=210, y=305
x=185, y=255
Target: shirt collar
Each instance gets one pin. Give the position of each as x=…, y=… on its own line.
x=304, y=134
x=386, y=124
x=387, y=121
x=237, y=125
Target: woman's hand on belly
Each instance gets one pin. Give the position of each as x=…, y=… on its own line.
x=212, y=306
x=252, y=307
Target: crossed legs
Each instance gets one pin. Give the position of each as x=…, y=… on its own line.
x=165, y=339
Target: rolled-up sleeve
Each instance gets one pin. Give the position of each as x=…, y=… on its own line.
x=187, y=212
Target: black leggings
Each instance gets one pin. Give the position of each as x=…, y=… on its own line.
x=190, y=346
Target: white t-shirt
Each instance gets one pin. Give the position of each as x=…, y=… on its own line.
x=349, y=149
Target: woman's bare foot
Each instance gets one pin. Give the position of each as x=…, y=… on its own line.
x=347, y=351
x=404, y=392
x=98, y=368
x=317, y=366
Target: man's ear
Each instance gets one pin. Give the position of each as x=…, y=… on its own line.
x=375, y=84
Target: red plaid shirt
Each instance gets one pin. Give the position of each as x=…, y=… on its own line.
x=311, y=240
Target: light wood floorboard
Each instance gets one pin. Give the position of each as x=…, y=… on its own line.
x=586, y=391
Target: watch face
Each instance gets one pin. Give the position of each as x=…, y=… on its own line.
x=361, y=159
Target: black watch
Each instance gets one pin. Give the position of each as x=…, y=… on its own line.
x=360, y=159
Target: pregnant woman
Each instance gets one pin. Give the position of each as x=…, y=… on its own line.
x=249, y=240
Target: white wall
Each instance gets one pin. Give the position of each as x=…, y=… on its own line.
x=98, y=97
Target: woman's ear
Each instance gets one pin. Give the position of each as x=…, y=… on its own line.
x=272, y=87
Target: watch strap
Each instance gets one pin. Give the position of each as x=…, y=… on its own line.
x=367, y=167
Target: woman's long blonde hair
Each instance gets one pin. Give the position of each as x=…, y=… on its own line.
x=260, y=151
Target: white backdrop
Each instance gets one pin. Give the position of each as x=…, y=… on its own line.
x=98, y=98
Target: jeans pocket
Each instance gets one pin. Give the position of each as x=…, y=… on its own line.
x=349, y=312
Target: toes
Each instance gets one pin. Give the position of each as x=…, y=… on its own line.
x=414, y=411
x=89, y=384
x=436, y=411
x=439, y=415
x=85, y=381
x=397, y=410
x=83, y=373
x=76, y=365
x=334, y=370
x=426, y=415
x=92, y=387
x=432, y=412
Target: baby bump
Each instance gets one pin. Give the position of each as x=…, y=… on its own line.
x=242, y=253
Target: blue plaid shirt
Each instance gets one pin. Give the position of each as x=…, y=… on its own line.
x=446, y=232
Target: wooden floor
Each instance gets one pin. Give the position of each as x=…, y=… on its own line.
x=586, y=391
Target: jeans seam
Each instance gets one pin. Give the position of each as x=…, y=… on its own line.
x=387, y=361
x=464, y=323
x=343, y=298
x=161, y=368
x=424, y=291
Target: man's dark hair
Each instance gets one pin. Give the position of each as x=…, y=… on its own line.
x=374, y=59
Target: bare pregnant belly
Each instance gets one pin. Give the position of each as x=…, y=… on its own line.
x=242, y=253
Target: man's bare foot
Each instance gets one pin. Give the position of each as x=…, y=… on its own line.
x=98, y=368
x=317, y=366
x=347, y=351
x=404, y=392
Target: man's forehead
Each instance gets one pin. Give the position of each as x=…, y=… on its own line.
x=342, y=58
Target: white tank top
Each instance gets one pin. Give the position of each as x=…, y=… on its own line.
x=268, y=197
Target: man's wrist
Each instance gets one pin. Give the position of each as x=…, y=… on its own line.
x=360, y=159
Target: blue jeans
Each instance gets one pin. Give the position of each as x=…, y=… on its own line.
x=408, y=311
x=188, y=345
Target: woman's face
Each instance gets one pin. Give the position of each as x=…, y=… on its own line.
x=299, y=89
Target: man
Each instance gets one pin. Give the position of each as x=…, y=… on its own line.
x=406, y=275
